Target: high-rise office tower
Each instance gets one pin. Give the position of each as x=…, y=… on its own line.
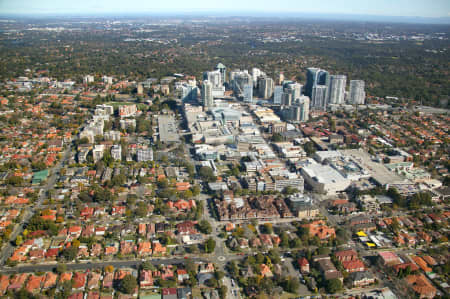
x=140, y=89
x=295, y=89
x=315, y=76
x=299, y=111
x=319, y=97
x=265, y=87
x=215, y=78
x=278, y=95
x=256, y=73
x=223, y=71
x=286, y=99
x=280, y=78
x=248, y=93
x=303, y=103
x=238, y=80
x=336, y=89
x=207, y=97
x=357, y=93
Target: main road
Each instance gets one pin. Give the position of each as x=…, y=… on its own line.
x=134, y=263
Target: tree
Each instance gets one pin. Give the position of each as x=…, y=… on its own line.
x=15, y=181
x=19, y=240
x=333, y=285
x=207, y=174
x=309, y=148
x=70, y=253
x=277, y=137
x=76, y=243
x=128, y=284
x=147, y=265
x=268, y=229
x=291, y=285
x=223, y=291
x=196, y=190
x=109, y=268
x=66, y=288
x=205, y=227
x=61, y=268
x=210, y=245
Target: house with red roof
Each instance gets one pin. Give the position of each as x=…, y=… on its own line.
x=66, y=276
x=4, y=283
x=78, y=295
x=353, y=266
x=93, y=280
x=421, y=285
x=158, y=248
x=108, y=279
x=187, y=228
x=49, y=280
x=34, y=283
x=17, y=281
x=303, y=264
x=146, y=279
x=52, y=253
x=265, y=270
x=346, y=255
x=182, y=275
x=79, y=280
x=144, y=248
x=75, y=231
x=118, y=210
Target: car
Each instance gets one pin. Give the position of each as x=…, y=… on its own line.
x=232, y=283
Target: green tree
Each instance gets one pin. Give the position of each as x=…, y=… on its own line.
x=70, y=253
x=210, y=245
x=309, y=148
x=205, y=227
x=291, y=285
x=61, y=268
x=333, y=285
x=207, y=174
x=276, y=137
x=128, y=284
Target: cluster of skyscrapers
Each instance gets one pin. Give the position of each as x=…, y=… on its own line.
x=296, y=100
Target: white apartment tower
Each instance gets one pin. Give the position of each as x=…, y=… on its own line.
x=357, y=93
x=207, y=97
x=336, y=89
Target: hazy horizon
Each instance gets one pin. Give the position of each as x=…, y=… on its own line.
x=383, y=8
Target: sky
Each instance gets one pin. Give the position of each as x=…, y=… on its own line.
x=410, y=8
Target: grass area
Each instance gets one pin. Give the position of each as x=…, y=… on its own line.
x=286, y=295
x=116, y=104
x=196, y=292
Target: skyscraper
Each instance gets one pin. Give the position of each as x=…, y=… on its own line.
x=336, y=89
x=295, y=89
x=286, y=99
x=207, y=97
x=277, y=95
x=357, y=93
x=255, y=74
x=215, y=78
x=319, y=97
x=238, y=80
x=303, y=104
x=315, y=76
x=248, y=93
x=299, y=111
x=265, y=87
x=223, y=71
x=280, y=78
